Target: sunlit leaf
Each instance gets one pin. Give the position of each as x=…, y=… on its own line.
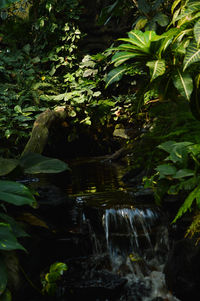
x=115, y=75
x=174, y=5
x=157, y=68
x=122, y=56
x=192, y=55
x=197, y=32
x=184, y=83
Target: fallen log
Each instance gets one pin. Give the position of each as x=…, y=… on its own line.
x=40, y=132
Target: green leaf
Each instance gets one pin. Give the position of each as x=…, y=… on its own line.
x=167, y=146
x=6, y=296
x=7, y=165
x=174, y=5
x=192, y=55
x=157, y=68
x=166, y=170
x=141, y=39
x=179, y=152
x=122, y=56
x=33, y=163
x=197, y=32
x=184, y=83
x=16, y=193
x=3, y=277
x=59, y=267
x=188, y=202
x=115, y=75
x=194, y=149
x=8, y=240
x=161, y=19
x=182, y=173
x=17, y=230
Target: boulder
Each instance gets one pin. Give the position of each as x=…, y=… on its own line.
x=182, y=270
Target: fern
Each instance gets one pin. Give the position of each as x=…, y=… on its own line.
x=187, y=205
x=194, y=228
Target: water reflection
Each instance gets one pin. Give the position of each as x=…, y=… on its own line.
x=92, y=177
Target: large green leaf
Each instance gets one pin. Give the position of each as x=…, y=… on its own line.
x=122, y=56
x=33, y=163
x=182, y=173
x=8, y=240
x=192, y=55
x=141, y=39
x=184, y=83
x=166, y=170
x=197, y=32
x=15, y=193
x=167, y=146
x=115, y=75
x=7, y=165
x=157, y=68
x=179, y=152
x=3, y=277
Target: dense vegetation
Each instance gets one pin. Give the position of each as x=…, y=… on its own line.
x=149, y=79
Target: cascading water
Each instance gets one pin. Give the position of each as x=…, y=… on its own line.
x=127, y=237
x=127, y=234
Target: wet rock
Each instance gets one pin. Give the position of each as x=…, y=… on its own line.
x=182, y=270
x=90, y=283
x=133, y=176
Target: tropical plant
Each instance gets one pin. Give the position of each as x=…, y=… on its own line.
x=159, y=60
x=170, y=61
x=10, y=231
x=50, y=280
x=180, y=172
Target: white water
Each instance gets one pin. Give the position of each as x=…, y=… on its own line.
x=132, y=250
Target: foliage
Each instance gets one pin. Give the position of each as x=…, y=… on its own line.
x=159, y=60
x=5, y=3
x=32, y=163
x=150, y=15
x=180, y=172
x=169, y=61
x=50, y=279
x=16, y=194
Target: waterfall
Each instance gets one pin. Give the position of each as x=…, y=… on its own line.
x=132, y=237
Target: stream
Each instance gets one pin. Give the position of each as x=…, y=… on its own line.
x=117, y=242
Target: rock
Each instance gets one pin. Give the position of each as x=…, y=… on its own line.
x=134, y=176
x=182, y=270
